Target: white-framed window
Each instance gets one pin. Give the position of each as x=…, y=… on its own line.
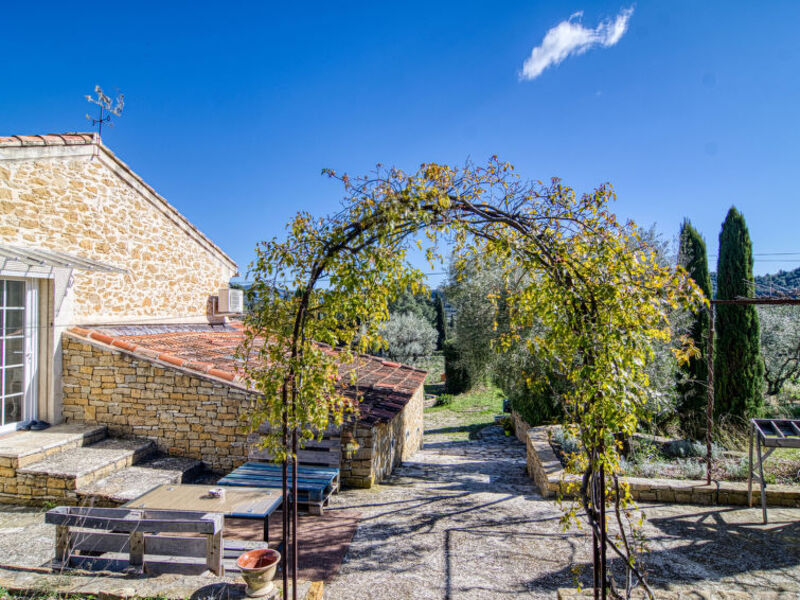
x=18, y=335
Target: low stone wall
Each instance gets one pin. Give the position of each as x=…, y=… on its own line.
x=546, y=471
x=183, y=413
x=383, y=447
x=521, y=427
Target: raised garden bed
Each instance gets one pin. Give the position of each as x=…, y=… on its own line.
x=663, y=458
x=547, y=471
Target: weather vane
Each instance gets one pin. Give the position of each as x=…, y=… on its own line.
x=107, y=111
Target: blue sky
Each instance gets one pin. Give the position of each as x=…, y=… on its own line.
x=232, y=109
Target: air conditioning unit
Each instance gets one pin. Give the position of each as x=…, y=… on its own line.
x=230, y=301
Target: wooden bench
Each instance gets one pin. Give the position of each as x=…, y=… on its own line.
x=137, y=532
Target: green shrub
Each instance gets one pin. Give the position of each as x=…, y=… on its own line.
x=444, y=400
x=568, y=442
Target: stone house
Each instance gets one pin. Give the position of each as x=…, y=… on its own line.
x=108, y=301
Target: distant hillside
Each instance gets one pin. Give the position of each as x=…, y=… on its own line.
x=782, y=282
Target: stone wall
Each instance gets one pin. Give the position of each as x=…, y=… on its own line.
x=185, y=414
x=521, y=427
x=82, y=200
x=189, y=415
x=546, y=471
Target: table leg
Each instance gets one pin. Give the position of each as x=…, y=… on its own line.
x=266, y=529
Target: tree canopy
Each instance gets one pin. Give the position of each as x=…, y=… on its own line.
x=738, y=365
x=693, y=380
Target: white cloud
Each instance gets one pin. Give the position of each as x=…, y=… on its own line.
x=570, y=37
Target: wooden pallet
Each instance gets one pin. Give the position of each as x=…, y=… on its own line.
x=323, y=453
x=137, y=532
x=315, y=485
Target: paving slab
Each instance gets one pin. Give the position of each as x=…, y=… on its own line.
x=461, y=520
x=89, y=459
x=117, y=586
x=19, y=445
x=132, y=482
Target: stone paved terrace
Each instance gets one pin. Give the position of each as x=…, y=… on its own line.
x=461, y=520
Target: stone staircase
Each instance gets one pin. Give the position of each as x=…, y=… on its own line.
x=78, y=464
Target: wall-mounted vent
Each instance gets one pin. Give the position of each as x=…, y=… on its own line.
x=230, y=301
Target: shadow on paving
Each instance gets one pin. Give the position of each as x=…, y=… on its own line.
x=414, y=517
x=549, y=582
x=708, y=549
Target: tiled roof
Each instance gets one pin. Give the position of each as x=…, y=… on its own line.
x=50, y=139
x=384, y=387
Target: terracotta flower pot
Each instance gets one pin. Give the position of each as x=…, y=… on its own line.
x=258, y=568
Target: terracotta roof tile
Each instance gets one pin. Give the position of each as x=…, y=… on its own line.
x=383, y=387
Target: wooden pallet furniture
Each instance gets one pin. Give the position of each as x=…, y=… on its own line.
x=315, y=484
x=771, y=434
x=137, y=533
x=239, y=502
x=326, y=452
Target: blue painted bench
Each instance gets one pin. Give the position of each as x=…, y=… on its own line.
x=315, y=485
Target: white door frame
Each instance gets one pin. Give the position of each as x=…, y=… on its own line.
x=31, y=354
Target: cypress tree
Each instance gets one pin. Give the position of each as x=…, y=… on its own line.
x=693, y=376
x=441, y=323
x=738, y=365
x=456, y=376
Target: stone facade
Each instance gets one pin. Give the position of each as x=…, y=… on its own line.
x=70, y=194
x=82, y=200
x=185, y=414
x=202, y=417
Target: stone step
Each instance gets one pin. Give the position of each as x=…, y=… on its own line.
x=23, y=448
x=132, y=482
x=57, y=477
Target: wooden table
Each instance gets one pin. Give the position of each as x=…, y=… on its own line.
x=239, y=502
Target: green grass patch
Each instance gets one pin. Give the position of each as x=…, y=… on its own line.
x=463, y=415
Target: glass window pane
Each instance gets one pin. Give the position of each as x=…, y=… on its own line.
x=14, y=354
x=13, y=380
x=14, y=320
x=12, y=408
x=2, y=292
x=15, y=293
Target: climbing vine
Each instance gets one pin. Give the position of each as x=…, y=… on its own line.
x=598, y=293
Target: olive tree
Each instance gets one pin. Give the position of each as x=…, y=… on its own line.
x=408, y=337
x=780, y=345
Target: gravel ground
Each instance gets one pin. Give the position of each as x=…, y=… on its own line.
x=461, y=520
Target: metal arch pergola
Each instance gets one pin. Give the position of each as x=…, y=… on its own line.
x=764, y=301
